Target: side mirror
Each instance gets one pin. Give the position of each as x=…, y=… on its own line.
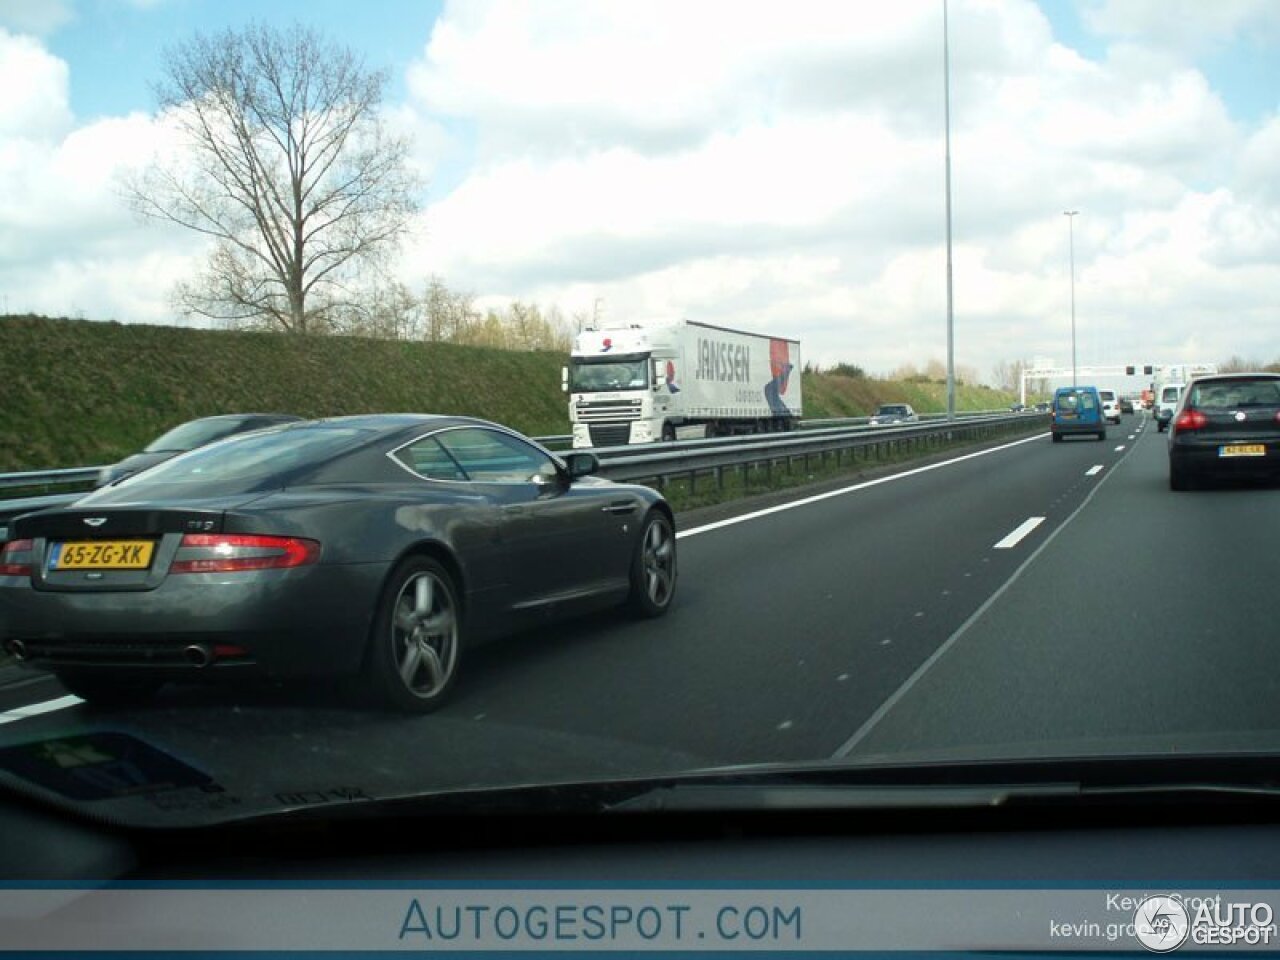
x=581, y=464
x=659, y=373
x=564, y=379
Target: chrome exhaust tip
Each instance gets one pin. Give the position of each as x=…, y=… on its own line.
x=17, y=649
x=198, y=655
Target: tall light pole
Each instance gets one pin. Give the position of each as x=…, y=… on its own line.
x=1071, y=239
x=946, y=109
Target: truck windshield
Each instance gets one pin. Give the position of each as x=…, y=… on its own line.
x=615, y=373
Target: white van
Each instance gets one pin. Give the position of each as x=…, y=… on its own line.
x=1110, y=405
x=1166, y=400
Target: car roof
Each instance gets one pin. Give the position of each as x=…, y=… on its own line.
x=1240, y=375
x=385, y=421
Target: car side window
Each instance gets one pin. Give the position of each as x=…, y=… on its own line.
x=490, y=456
x=427, y=458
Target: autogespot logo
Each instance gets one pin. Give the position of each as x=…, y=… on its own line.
x=1161, y=923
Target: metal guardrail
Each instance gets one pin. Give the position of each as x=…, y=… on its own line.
x=76, y=475
x=48, y=478
x=871, y=444
x=662, y=461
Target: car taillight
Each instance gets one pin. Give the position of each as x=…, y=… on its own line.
x=1191, y=420
x=238, y=552
x=16, y=558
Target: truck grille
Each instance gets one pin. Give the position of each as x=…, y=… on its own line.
x=610, y=434
x=611, y=411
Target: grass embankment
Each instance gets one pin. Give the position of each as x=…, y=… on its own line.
x=80, y=393
x=829, y=395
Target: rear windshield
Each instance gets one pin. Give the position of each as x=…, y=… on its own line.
x=197, y=433
x=1073, y=401
x=1231, y=394
x=1106, y=395
x=1169, y=394
x=243, y=462
x=892, y=411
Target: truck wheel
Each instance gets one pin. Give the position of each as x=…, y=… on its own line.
x=668, y=433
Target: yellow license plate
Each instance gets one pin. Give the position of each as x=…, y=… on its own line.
x=1243, y=450
x=102, y=555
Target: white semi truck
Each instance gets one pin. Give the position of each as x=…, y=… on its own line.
x=641, y=384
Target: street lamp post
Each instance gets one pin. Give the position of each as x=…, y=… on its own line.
x=946, y=106
x=1071, y=239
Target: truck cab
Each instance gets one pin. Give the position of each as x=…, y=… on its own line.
x=680, y=380
x=620, y=385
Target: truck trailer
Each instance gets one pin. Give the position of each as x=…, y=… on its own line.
x=668, y=381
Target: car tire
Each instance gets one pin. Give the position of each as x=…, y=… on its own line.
x=1102, y=435
x=415, y=647
x=1057, y=438
x=653, y=567
x=1179, y=477
x=105, y=690
x=668, y=433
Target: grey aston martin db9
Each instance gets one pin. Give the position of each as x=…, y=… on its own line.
x=370, y=545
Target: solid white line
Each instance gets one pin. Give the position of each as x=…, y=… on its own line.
x=1020, y=531
x=1119, y=448
x=883, y=710
x=35, y=709
x=1094, y=470
x=742, y=518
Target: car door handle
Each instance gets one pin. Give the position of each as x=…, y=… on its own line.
x=620, y=507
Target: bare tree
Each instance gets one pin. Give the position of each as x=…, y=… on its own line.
x=1008, y=373
x=288, y=167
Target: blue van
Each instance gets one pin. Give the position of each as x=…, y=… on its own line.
x=1077, y=410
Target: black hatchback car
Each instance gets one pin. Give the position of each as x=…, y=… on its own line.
x=1226, y=425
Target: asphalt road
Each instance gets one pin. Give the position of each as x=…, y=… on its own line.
x=901, y=616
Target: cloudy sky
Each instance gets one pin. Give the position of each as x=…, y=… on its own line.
x=776, y=167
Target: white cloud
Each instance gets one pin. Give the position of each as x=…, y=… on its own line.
x=1188, y=26
x=34, y=105
x=782, y=169
x=774, y=167
x=40, y=17
x=68, y=242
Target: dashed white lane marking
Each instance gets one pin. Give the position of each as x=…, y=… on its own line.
x=1094, y=470
x=897, y=696
x=1020, y=531
x=35, y=709
x=1119, y=448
